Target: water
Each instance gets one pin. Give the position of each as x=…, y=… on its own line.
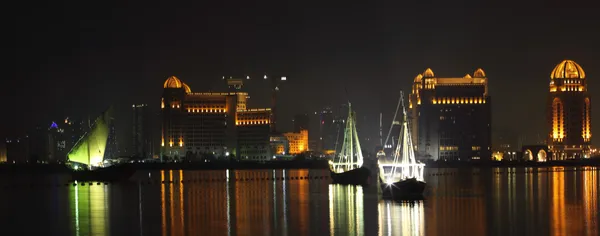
x=506, y=201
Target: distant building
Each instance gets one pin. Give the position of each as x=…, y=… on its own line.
x=301, y=122
x=3, y=152
x=17, y=149
x=326, y=130
x=569, y=113
x=279, y=145
x=253, y=134
x=112, y=149
x=142, y=131
x=298, y=142
x=56, y=144
x=450, y=117
x=212, y=123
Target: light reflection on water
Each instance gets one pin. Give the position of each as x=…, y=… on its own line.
x=509, y=201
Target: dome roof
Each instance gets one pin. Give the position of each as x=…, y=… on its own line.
x=467, y=76
x=172, y=82
x=428, y=73
x=187, y=88
x=567, y=69
x=479, y=73
x=418, y=78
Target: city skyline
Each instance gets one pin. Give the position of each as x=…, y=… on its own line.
x=373, y=51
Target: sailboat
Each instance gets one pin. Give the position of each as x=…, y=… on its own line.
x=402, y=176
x=347, y=167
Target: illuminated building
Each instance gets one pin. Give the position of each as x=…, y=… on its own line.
x=56, y=144
x=142, y=132
x=298, y=142
x=3, y=152
x=253, y=133
x=279, y=144
x=569, y=112
x=89, y=150
x=450, y=117
x=537, y=153
x=219, y=124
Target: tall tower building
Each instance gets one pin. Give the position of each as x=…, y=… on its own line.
x=326, y=130
x=141, y=133
x=569, y=113
x=450, y=118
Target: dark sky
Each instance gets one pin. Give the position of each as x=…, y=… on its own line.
x=76, y=58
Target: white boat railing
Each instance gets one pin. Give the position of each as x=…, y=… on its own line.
x=391, y=173
x=404, y=164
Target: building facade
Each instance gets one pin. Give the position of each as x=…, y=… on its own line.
x=451, y=117
x=298, y=142
x=569, y=113
x=219, y=124
x=141, y=131
x=326, y=130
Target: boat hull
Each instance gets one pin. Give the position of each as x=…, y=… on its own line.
x=408, y=188
x=358, y=176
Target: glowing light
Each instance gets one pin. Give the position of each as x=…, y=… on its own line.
x=187, y=88
x=557, y=120
x=567, y=69
x=90, y=148
x=172, y=82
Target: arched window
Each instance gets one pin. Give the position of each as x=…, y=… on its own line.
x=557, y=120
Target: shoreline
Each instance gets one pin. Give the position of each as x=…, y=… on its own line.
x=124, y=171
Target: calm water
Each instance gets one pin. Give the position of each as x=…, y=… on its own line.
x=517, y=201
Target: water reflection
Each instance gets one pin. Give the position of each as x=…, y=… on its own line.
x=515, y=201
x=346, y=210
x=89, y=209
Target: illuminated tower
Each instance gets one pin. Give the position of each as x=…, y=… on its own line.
x=450, y=118
x=569, y=112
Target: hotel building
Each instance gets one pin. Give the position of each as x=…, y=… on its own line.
x=569, y=113
x=450, y=117
x=195, y=124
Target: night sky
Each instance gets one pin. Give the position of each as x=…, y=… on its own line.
x=77, y=58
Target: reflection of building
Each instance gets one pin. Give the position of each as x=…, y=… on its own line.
x=89, y=150
x=569, y=112
x=451, y=117
x=298, y=142
x=142, y=132
x=195, y=124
